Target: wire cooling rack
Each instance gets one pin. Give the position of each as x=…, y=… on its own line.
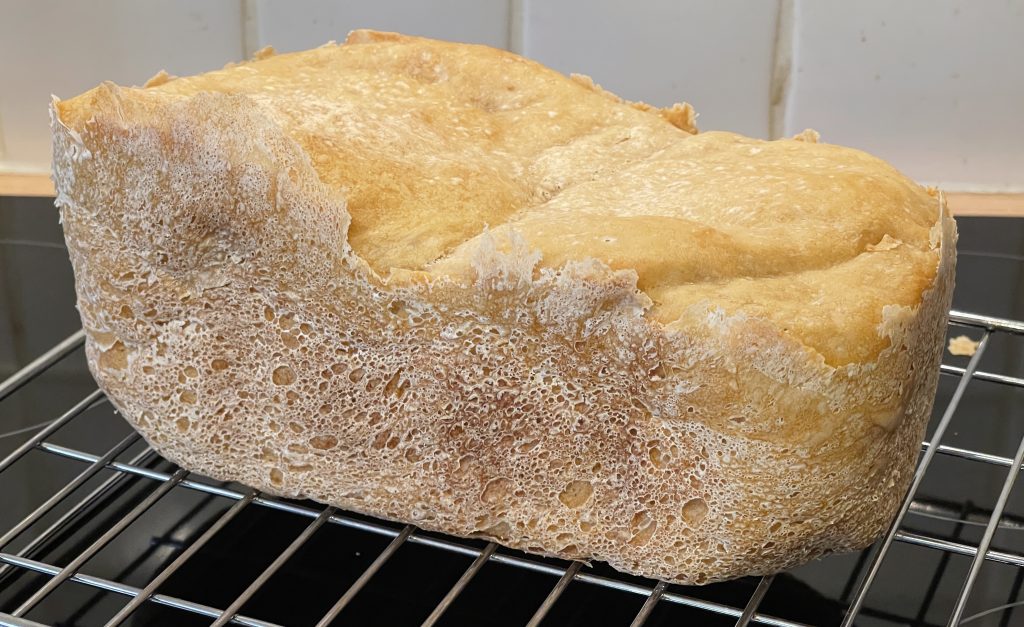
x=130, y=466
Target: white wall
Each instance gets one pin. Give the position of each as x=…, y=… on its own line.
x=935, y=86
x=65, y=47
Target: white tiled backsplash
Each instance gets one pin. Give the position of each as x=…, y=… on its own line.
x=934, y=86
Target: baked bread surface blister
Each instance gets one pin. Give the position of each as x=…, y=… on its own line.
x=442, y=284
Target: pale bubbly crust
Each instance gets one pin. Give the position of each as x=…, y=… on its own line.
x=707, y=391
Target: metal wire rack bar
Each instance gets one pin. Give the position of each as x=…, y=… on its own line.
x=6, y=620
x=755, y=601
x=566, y=574
x=648, y=606
x=38, y=365
x=60, y=495
x=101, y=542
x=147, y=592
x=367, y=574
x=78, y=507
x=963, y=453
x=964, y=514
x=981, y=321
x=460, y=585
x=986, y=540
x=949, y=546
x=922, y=467
x=120, y=588
x=34, y=441
x=279, y=561
x=549, y=601
x=984, y=376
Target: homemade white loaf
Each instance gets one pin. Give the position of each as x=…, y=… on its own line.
x=442, y=284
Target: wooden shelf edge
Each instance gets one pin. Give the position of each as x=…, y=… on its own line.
x=16, y=184
x=983, y=204
x=961, y=203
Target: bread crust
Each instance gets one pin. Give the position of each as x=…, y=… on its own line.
x=577, y=405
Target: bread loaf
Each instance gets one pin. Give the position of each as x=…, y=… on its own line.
x=445, y=285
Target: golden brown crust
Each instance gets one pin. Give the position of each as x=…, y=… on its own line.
x=269, y=297
x=680, y=115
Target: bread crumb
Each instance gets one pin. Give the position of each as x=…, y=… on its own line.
x=159, y=78
x=808, y=135
x=264, y=53
x=962, y=345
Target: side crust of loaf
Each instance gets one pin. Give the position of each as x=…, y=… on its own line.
x=231, y=323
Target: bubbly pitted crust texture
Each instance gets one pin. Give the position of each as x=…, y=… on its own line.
x=445, y=285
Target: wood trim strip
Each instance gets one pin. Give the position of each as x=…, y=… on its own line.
x=12, y=184
x=961, y=203
x=991, y=205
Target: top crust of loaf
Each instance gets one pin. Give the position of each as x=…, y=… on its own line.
x=437, y=147
x=447, y=285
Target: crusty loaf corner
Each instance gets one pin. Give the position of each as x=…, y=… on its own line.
x=445, y=285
